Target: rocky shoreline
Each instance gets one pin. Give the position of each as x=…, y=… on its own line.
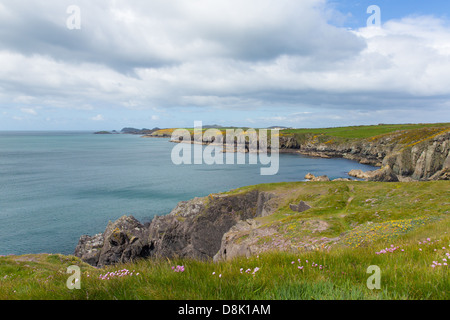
x=207, y=228
x=401, y=155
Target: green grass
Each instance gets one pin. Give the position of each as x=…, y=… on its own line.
x=367, y=216
x=404, y=275
x=346, y=133
x=362, y=132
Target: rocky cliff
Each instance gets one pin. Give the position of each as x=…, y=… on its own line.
x=419, y=153
x=193, y=229
x=408, y=154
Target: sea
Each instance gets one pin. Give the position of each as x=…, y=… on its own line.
x=57, y=186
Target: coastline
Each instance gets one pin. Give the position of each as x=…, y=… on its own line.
x=427, y=158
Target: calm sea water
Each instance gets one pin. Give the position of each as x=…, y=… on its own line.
x=57, y=186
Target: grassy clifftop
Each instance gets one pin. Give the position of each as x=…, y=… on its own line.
x=365, y=132
x=403, y=228
x=345, y=133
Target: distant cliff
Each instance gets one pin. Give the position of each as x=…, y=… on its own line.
x=418, y=152
x=138, y=131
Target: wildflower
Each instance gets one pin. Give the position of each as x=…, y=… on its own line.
x=178, y=269
x=214, y=273
x=220, y=275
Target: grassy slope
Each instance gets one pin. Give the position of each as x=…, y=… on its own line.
x=372, y=215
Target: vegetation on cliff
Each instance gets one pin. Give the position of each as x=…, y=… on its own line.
x=403, y=228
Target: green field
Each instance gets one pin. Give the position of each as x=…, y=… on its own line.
x=363, y=132
x=409, y=221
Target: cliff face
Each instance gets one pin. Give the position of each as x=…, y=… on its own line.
x=414, y=154
x=418, y=155
x=194, y=229
x=429, y=159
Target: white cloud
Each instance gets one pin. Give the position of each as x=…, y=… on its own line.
x=29, y=111
x=223, y=54
x=98, y=117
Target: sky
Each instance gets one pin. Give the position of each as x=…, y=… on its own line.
x=105, y=65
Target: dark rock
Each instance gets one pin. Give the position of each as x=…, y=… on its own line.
x=302, y=206
x=312, y=177
x=383, y=175
x=124, y=240
x=89, y=248
x=194, y=229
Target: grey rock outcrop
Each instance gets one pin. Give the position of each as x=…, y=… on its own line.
x=124, y=240
x=240, y=240
x=420, y=155
x=249, y=238
x=312, y=177
x=385, y=174
x=302, y=206
x=193, y=229
x=89, y=248
x=422, y=160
